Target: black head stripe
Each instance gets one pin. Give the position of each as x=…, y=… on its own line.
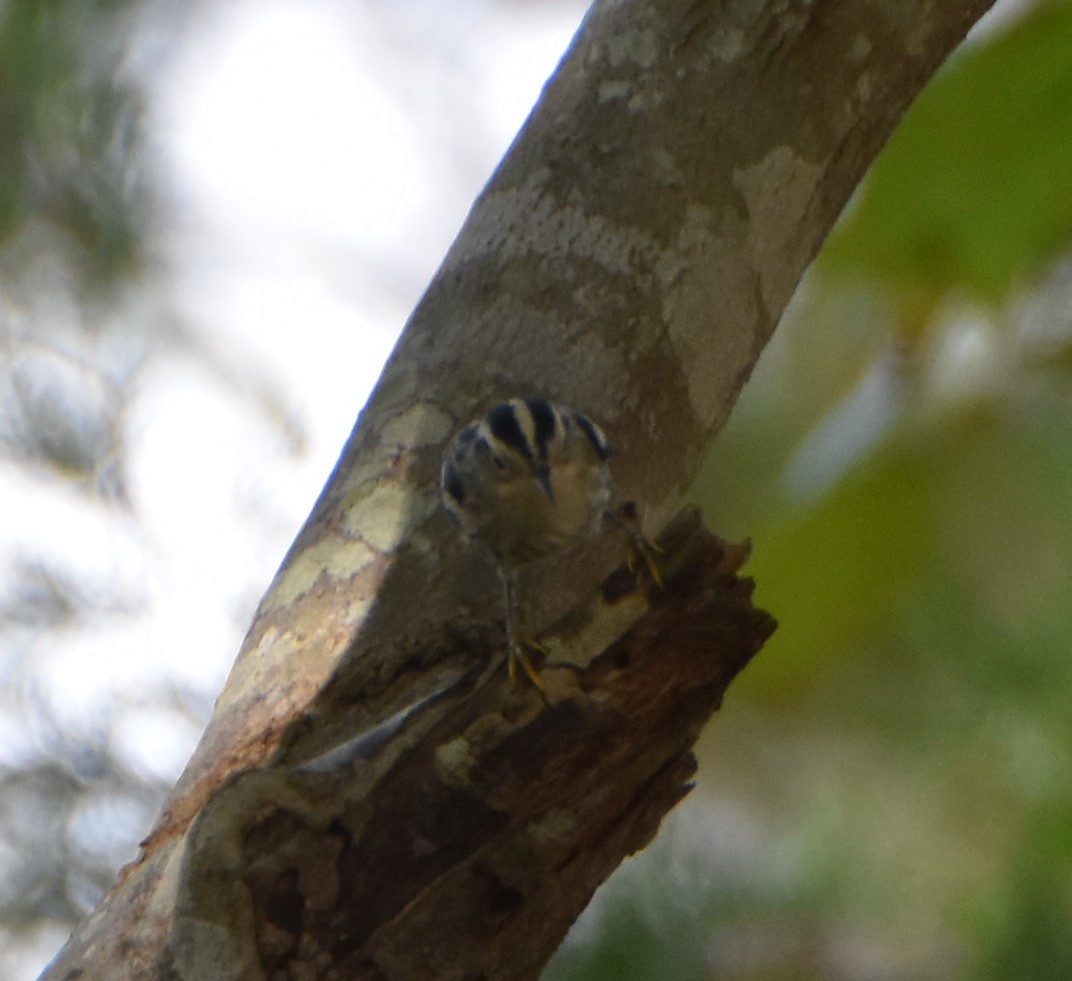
x=463, y=441
x=453, y=484
x=465, y=437
x=482, y=447
x=502, y=421
x=595, y=434
x=544, y=422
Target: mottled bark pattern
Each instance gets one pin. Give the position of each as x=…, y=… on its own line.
x=472, y=854
x=355, y=808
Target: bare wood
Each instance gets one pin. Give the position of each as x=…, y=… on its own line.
x=630, y=257
x=472, y=853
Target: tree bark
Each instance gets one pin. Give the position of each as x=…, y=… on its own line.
x=369, y=801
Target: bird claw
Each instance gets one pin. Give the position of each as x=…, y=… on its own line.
x=519, y=657
x=642, y=550
x=643, y=554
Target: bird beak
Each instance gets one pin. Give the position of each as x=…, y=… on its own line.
x=543, y=475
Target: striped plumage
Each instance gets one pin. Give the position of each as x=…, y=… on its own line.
x=527, y=480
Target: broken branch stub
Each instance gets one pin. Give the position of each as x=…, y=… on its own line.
x=474, y=851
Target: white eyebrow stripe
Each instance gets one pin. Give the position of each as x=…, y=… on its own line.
x=527, y=425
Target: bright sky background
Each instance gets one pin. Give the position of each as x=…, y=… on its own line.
x=319, y=156
x=320, y=168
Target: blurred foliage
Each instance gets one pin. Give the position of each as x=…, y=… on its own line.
x=993, y=136
x=887, y=791
x=897, y=762
x=1029, y=934
x=74, y=210
x=70, y=119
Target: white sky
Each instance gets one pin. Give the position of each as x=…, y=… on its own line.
x=320, y=167
x=319, y=156
x=318, y=180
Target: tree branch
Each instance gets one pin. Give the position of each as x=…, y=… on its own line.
x=368, y=801
x=473, y=850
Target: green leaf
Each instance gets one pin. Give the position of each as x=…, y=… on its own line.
x=973, y=192
x=834, y=573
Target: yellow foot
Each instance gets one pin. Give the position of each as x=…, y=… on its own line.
x=642, y=550
x=518, y=656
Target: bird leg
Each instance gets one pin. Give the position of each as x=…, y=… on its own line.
x=642, y=550
x=516, y=642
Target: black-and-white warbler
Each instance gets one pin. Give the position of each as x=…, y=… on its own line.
x=528, y=480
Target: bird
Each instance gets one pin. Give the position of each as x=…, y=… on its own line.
x=528, y=480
